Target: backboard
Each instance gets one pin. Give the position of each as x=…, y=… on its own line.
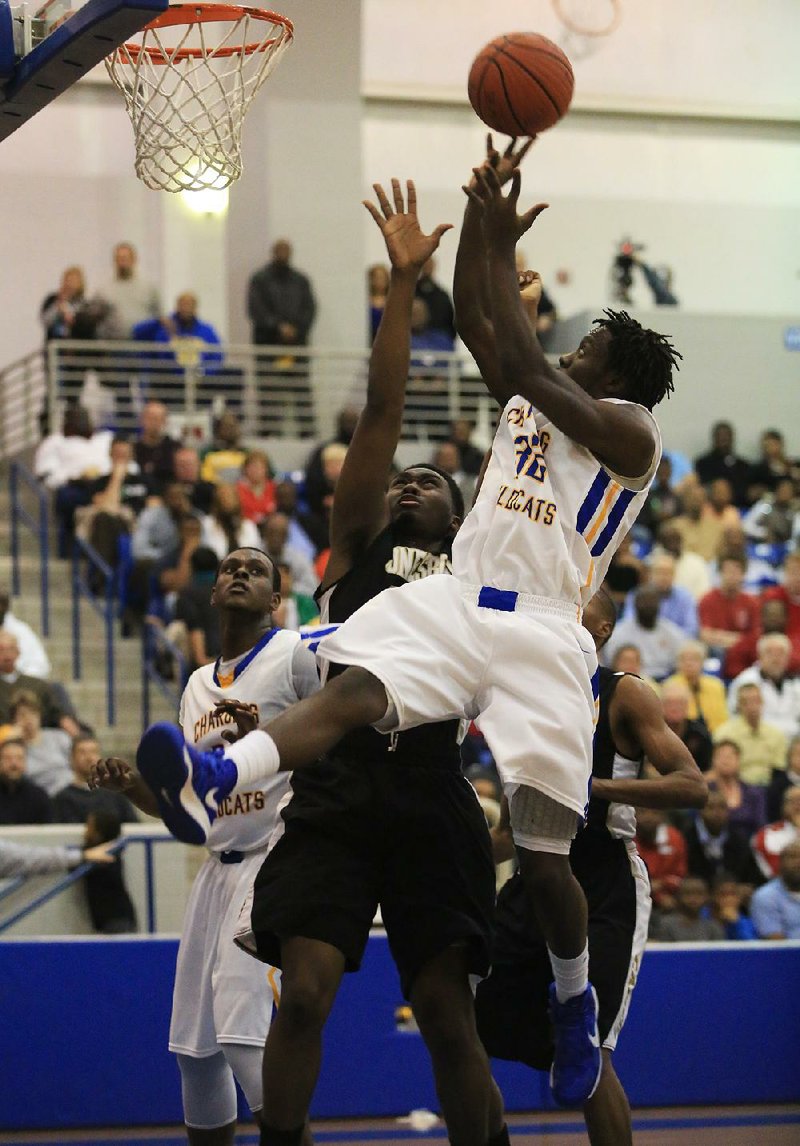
x=29, y=82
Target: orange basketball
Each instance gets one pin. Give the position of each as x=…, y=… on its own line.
x=521, y=83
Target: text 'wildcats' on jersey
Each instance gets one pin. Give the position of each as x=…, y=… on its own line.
x=277, y=672
x=549, y=515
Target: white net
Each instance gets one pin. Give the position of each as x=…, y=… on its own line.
x=188, y=80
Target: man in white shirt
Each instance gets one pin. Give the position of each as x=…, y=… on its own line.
x=32, y=659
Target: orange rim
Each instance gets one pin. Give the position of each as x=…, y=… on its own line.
x=208, y=13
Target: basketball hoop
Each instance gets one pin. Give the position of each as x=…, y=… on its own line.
x=188, y=81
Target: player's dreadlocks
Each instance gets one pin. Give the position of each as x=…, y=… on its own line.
x=641, y=357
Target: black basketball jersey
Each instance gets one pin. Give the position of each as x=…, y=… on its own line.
x=608, y=763
x=388, y=563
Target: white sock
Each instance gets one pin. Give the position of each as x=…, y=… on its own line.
x=571, y=975
x=255, y=756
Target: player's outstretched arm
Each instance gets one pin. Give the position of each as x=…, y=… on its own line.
x=117, y=775
x=359, y=505
x=637, y=725
x=471, y=279
x=619, y=436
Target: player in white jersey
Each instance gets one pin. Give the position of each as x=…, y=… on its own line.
x=223, y=999
x=501, y=641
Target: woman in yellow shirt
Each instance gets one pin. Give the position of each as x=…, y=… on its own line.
x=706, y=693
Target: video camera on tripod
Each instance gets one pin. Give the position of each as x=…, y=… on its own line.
x=622, y=269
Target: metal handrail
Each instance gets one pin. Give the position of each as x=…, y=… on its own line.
x=154, y=639
x=21, y=476
x=106, y=612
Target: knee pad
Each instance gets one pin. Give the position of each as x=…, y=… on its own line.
x=208, y=1090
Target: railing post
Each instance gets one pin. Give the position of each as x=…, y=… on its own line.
x=110, y=676
x=149, y=878
x=13, y=486
x=146, y=643
x=76, y=612
x=44, y=559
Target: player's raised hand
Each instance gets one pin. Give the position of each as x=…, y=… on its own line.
x=243, y=715
x=530, y=287
x=505, y=164
x=502, y=226
x=408, y=248
x=112, y=773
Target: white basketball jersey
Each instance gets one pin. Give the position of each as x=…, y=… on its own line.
x=282, y=672
x=549, y=516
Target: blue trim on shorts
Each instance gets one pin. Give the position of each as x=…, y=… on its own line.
x=504, y=600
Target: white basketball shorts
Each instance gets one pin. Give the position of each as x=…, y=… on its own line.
x=522, y=667
x=221, y=994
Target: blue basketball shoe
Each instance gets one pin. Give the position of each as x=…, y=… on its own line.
x=187, y=784
x=577, y=1060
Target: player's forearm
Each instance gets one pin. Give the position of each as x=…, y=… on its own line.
x=142, y=798
x=391, y=351
x=676, y=790
x=470, y=280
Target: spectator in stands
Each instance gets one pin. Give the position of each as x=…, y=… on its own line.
x=224, y=528
x=295, y=609
x=663, y=849
x=275, y=533
x=256, y=487
x=186, y=470
x=193, y=610
x=154, y=450
x=721, y=461
x=706, y=693
x=47, y=749
x=54, y=710
x=627, y=658
x=779, y=690
x=74, y=803
x=727, y=612
x=762, y=746
x=789, y=593
x=28, y=859
x=691, y=571
x=760, y=573
x=747, y=809
x=438, y=305
x=447, y=457
x=174, y=572
x=32, y=659
x=713, y=849
x=281, y=306
x=675, y=701
x=744, y=654
x=783, y=779
x=156, y=534
x=68, y=463
x=700, y=525
x=657, y=639
x=67, y=313
x=770, y=841
x=117, y=499
x=686, y=923
x=775, y=907
x=663, y=502
x=182, y=325
x=625, y=573
x=378, y=287
x=676, y=604
x=775, y=517
x=307, y=533
x=316, y=488
x=223, y=460
x=728, y=899
x=461, y=431
x=720, y=504
x=21, y=801
x=772, y=466
x=110, y=906
x=127, y=299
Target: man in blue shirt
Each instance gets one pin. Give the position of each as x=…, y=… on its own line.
x=775, y=907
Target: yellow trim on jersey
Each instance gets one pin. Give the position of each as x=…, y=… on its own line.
x=590, y=574
x=272, y=979
x=605, y=508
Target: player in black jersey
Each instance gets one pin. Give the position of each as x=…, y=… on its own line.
x=511, y=1004
x=381, y=820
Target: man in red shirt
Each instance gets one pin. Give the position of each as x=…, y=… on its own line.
x=745, y=652
x=789, y=593
x=663, y=849
x=727, y=613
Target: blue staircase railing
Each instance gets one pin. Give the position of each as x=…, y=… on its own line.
x=87, y=563
x=38, y=523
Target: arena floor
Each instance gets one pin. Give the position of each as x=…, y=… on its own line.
x=713, y=1126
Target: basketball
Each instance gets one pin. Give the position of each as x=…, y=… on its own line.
x=520, y=84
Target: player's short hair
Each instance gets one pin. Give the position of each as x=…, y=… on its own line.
x=643, y=359
x=605, y=602
x=274, y=566
x=456, y=496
